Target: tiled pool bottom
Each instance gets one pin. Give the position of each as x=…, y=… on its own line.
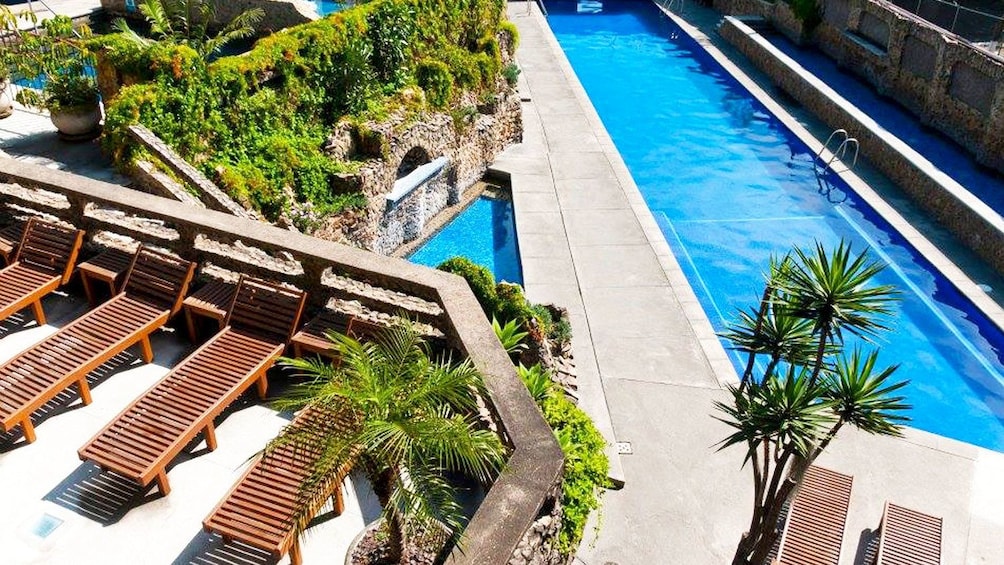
x=485, y=233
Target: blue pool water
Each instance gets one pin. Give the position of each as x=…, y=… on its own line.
x=325, y=7
x=944, y=153
x=729, y=185
x=485, y=233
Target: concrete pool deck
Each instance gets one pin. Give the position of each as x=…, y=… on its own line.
x=103, y=520
x=650, y=367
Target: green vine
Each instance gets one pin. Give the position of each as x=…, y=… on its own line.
x=257, y=123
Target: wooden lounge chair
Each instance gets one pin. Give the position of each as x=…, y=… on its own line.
x=141, y=442
x=313, y=336
x=10, y=236
x=258, y=510
x=908, y=537
x=814, y=531
x=153, y=291
x=43, y=262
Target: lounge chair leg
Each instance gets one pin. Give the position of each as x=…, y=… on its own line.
x=337, y=501
x=162, y=484
x=36, y=307
x=147, y=349
x=190, y=324
x=210, y=435
x=28, y=429
x=294, y=553
x=85, y=390
x=263, y=387
x=88, y=292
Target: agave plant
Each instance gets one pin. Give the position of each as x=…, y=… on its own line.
x=188, y=22
x=416, y=419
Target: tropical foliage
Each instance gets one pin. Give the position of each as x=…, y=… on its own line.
x=800, y=386
x=505, y=302
x=411, y=420
x=188, y=22
x=586, y=464
x=52, y=53
x=257, y=123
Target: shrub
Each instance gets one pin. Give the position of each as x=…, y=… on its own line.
x=509, y=28
x=257, y=123
x=511, y=74
x=435, y=79
x=480, y=279
x=512, y=304
x=586, y=464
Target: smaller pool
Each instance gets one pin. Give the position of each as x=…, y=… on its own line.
x=485, y=233
x=325, y=7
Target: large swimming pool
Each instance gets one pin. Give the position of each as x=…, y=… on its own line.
x=729, y=185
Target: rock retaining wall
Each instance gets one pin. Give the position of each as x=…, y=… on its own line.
x=949, y=83
x=537, y=545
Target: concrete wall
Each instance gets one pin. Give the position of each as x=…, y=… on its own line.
x=949, y=83
x=981, y=229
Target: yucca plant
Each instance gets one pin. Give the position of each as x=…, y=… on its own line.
x=416, y=420
x=808, y=389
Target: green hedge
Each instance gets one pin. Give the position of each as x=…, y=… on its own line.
x=586, y=463
x=256, y=123
x=586, y=467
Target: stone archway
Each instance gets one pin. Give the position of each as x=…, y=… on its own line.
x=413, y=159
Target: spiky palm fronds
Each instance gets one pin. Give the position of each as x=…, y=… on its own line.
x=411, y=419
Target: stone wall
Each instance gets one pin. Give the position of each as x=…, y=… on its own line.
x=469, y=146
x=279, y=14
x=949, y=83
x=537, y=545
x=971, y=221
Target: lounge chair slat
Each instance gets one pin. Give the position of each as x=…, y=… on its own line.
x=271, y=487
x=814, y=531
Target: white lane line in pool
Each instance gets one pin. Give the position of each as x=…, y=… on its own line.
x=923, y=296
x=700, y=279
x=729, y=220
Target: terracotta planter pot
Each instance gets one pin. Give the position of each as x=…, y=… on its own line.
x=77, y=124
x=6, y=100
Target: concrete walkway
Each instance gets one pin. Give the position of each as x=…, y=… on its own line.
x=650, y=367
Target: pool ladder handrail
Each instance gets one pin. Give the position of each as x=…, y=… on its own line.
x=840, y=153
x=669, y=4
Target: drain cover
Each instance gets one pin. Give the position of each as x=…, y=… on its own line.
x=624, y=448
x=46, y=525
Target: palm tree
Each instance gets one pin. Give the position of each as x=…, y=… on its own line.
x=789, y=416
x=409, y=421
x=188, y=22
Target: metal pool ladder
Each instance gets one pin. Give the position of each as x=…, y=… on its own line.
x=845, y=143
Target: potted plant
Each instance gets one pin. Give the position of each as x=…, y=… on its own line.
x=6, y=103
x=59, y=71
